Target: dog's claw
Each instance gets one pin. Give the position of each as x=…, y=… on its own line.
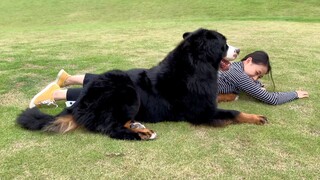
x=263, y=119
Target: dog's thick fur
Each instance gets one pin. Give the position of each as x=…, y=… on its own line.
x=183, y=87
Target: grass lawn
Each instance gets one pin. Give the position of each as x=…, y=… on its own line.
x=38, y=38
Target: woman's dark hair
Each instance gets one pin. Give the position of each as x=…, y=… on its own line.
x=261, y=58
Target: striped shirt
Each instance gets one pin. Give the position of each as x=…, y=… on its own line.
x=235, y=80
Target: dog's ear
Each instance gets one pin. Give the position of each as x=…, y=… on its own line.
x=186, y=34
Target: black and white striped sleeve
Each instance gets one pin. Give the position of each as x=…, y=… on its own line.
x=247, y=85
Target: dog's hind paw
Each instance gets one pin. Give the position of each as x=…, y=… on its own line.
x=143, y=132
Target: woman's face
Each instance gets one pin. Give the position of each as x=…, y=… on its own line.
x=254, y=71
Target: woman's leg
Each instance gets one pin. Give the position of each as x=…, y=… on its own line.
x=53, y=91
x=64, y=79
x=60, y=94
x=72, y=94
x=89, y=77
x=74, y=80
x=46, y=96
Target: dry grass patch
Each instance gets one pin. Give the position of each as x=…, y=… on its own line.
x=14, y=98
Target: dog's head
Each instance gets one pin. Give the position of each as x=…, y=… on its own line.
x=232, y=54
x=211, y=47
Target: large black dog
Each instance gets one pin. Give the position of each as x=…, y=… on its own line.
x=183, y=87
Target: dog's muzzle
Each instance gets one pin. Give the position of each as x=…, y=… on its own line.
x=232, y=54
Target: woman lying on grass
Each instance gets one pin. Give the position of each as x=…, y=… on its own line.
x=242, y=76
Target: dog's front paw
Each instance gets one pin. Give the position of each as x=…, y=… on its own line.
x=251, y=118
x=261, y=119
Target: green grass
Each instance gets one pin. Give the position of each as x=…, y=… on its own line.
x=38, y=38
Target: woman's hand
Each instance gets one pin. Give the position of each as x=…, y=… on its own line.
x=302, y=94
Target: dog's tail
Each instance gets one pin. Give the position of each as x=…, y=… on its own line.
x=33, y=119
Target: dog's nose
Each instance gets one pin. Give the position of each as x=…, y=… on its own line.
x=237, y=51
